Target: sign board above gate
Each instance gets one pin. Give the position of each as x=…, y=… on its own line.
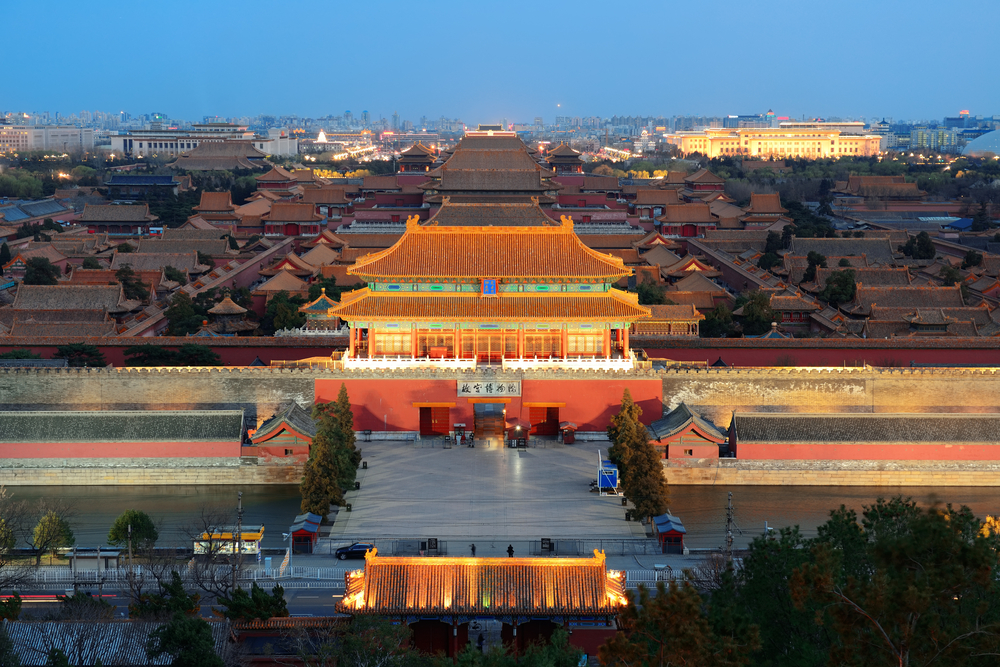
x=487, y=387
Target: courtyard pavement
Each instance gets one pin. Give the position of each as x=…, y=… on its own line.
x=487, y=495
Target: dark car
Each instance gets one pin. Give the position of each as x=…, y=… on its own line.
x=356, y=550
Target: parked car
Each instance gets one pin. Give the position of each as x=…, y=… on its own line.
x=356, y=550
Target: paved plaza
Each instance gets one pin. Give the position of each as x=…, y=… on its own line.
x=416, y=490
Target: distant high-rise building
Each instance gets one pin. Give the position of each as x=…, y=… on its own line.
x=395, y=121
x=365, y=118
x=348, y=117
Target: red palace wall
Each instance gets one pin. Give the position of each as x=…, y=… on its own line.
x=853, y=452
x=829, y=356
x=118, y=450
x=590, y=403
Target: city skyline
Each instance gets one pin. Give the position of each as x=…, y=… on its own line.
x=484, y=65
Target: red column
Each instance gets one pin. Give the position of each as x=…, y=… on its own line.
x=625, y=348
x=350, y=343
x=413, y=342
x=371, y=344
x=520, y=343
x=565, y=343
x=458, y=341
x=607, y=343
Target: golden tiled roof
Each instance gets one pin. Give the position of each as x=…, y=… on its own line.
x=614, y=305
x=485, y=586
x=521, y=253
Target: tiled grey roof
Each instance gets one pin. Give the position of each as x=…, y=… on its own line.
x=117, y=643
x=679, y=418
x=493, y=215
x=875, y=249
x=148, y=261
x=294, y=416
x=116, y=213
x=206, y=246
x=866, y=428
x=69, y=297
x=122, y=426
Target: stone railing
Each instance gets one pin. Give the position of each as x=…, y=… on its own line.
x=572, y=363
x=281, y=333
x=401, y=363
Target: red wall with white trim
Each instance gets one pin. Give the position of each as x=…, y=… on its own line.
x=118, y=450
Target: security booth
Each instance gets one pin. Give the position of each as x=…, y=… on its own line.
x=305, y=532
x=669, y=531
x=517, y=432
x=223, y=541
x=567, y=431
x=607, y=476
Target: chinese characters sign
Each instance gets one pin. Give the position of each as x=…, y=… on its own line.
x=470, y=388
x=489, y=287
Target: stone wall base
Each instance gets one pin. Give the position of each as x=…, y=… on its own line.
x=148, y=476
x=832, y=473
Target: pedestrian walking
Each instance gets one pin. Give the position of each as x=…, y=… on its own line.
x=480, y=642
x=510, y=551
x=473, y=547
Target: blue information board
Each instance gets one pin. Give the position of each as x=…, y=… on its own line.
x=489, y=287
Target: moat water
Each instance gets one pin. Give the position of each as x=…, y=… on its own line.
x=702, y=508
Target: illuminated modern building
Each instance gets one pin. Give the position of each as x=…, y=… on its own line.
x=790, y=139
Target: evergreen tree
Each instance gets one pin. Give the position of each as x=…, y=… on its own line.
x=815, y=260
x=91, y=263
x=840, y=287
x=40, y=271
x=351, y=455
x=4, y=256
x=8, y=653
x=257, y=604
x=188, y=640
x=132, y=284
x=81, y=354
x=671, y=628
x=638, y=462
x=171, y=599
x=320, y=486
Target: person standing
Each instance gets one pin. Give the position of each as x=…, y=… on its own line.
x=510, y=551
x=473, y=547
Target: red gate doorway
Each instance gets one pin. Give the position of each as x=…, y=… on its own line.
x=544, y=420
x=435, y=421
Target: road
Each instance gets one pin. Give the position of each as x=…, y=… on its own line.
x=314, y=601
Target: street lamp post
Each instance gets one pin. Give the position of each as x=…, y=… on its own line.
x=287, y=537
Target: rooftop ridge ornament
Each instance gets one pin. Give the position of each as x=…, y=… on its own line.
x=412, y=222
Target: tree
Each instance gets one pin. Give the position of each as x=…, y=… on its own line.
x=91, y=263
x=768, y=261
x=8, y=652
x=143, y=531
x=4, y=254
x=815, y=260
x=671, y=628
x=233, y=244
x=757, y=313
x=786, y=235
x=908, y=587
x=84, y=607
x=182, y=316
x=651, y=293
x=187, y=640
x=257, y=604
x=10, y=609
x=205, y=260
x=149, y=355
x=52, y=532
x=57, y=658
x=981, y=220
x=919, y=247
x=844, y=262
x=124, y=248
x=840, y=287
x=972, y=258
x=333, y=457
x=950, y=275
x=40, y=271
x=718, y=323
x=638, y=462
x=171, y=599
x=132, y=284
x=80, y=354
x=175, y=275
x=282, y=312
x=773, y=243
x=20, y=354
x=193, y=354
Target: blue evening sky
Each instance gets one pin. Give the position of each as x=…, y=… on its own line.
x=515, y=59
